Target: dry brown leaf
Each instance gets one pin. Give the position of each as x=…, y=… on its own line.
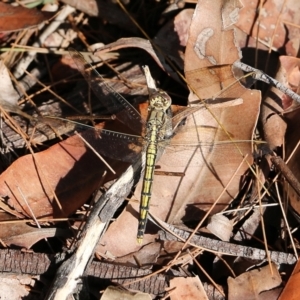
x=15, y=233
x=274, y=125
x=116, y=293
x=211, y=45
x=187, y=288
x=276, y=103
x=250, y=284
x=17, y=18
x=290, y=68
x=145, y=258
x=25, y=236
x=68, y=169
x=120, y=237
x=291, y=140
x=276, y=23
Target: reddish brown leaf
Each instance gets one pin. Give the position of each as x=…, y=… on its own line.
x=68, y=169
x=292, y=289
x=291, y=141
x=17, y=18
x=291, y=68
x=286, y=127
x=275, y=103
x=275, y=24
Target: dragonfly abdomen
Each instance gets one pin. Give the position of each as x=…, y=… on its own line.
x=151, y=154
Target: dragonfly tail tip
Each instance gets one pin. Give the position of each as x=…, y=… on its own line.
x=139, y=240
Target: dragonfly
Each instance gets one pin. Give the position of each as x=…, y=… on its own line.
x=152, y=136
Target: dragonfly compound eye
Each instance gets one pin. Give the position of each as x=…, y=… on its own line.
x=160, y=100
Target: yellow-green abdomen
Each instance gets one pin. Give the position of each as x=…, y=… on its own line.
x=147, y=187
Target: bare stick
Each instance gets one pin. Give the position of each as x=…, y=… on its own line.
x=260, y=75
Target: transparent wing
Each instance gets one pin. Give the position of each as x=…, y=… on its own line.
x=126, y=147
x=219, y=81
x=201, y=144
x=202, y=133
x=217, y=86
x=110, y=99
x=112, y=144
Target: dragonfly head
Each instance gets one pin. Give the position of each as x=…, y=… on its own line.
x=160, y=101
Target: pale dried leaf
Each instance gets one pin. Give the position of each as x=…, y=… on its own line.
x=120, y=237
x=8, y=95
x=115, y=293
x=15, y=286
x=187, y=288
x=221, y=227
x=252, y=283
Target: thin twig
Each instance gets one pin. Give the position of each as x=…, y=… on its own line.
x=260, y=75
